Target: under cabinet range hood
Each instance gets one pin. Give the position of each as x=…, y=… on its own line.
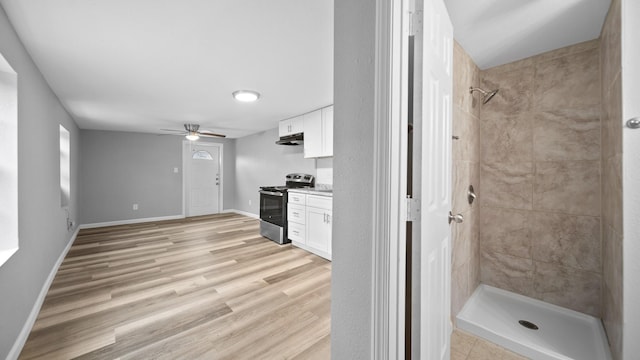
x=295, y=139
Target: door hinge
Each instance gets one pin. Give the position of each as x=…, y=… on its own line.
x=413, y=209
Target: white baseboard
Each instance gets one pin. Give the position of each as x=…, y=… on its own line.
x=131, y=221
x=245, y=213
x=28, y=325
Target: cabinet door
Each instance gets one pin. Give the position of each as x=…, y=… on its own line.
x=318, y=229
x=327, y=131
x=297, y=125
x=284, y=127
x=313, y=134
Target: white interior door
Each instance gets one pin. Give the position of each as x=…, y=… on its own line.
x=435, y=183
x=203, y=179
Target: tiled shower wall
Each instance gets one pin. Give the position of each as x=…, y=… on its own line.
x=465, y=263
x=540, y=155
x=610, y=50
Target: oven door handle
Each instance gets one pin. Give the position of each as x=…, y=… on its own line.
x=271, y=193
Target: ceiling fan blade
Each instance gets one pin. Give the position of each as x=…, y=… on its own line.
x=210, y=134
x=174, y=130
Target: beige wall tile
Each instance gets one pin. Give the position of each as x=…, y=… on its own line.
x=567, y=287
x=474, y=253
x=461, y=244
x=569, y=82
x=612, y=192
x=567, y=240
x=464, y=174
x=571, y=187
x=465, y=74
x=501, y=69
x=467, y=128
x=612, y=260
x=459, y=288
x=567, y=134
x=507, y=185
x=612, y=122
x=507, y=272
x=506, y=231
x=610, y=45
x=506, y=138
x=515, y=91
x=569, y=50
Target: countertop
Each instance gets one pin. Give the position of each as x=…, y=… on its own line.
x=313, y=191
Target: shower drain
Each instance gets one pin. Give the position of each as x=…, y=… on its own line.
x=528, y=324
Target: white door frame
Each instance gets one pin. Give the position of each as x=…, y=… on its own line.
x=630, y=9
x=390, y=178
x=186, y=156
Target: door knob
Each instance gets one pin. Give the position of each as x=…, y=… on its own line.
x=633, y=123
x=458, y=218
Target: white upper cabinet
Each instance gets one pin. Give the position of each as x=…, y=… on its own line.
x=291, y=126
x=313, y=135
x=318, y=134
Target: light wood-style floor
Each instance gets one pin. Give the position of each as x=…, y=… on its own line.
x=201, y=288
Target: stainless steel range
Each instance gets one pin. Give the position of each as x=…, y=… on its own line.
x=273, y=206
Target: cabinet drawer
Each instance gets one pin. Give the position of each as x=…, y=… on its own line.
x=296, y=198
x=322, y=202
x=295, y=213
x=296, y=232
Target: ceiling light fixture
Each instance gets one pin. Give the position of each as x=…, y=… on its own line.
x=192, y=135
x=246, y=95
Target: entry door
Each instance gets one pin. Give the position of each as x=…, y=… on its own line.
x=203, y=179
x=435, y=182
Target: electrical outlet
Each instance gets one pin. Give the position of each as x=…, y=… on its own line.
x=135, y=206
x=250, y=202
x=175, y=170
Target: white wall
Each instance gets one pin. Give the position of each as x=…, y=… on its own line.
x=260, y=162
x=631, y=178
x=352, y=273
x=118, y=169
x=43, y=232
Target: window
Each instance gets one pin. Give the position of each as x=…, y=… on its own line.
x=202, y=155
x=65, y=167
x=8, y=161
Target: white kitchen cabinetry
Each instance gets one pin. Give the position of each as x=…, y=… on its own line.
x=318, y=133
x=309, y=225
x=291, y=126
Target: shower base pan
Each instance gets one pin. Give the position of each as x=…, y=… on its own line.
x=509, y=320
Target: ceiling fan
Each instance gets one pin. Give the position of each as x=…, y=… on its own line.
x=192, y=132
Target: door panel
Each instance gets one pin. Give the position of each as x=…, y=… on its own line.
x=435, y=180
x=203, y=179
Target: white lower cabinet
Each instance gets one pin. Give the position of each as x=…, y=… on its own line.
x=309, y=226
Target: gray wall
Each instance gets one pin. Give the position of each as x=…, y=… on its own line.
x=119, y=169
x=351, y=284
x=260, y=162
x=42, y=223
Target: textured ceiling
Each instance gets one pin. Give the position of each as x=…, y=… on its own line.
x=496, y=32
x=144, y=65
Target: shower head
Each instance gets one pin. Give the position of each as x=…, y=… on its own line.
x=486, y=95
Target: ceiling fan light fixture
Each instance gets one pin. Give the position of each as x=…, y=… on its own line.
x=192, y=136
x=246, y=95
